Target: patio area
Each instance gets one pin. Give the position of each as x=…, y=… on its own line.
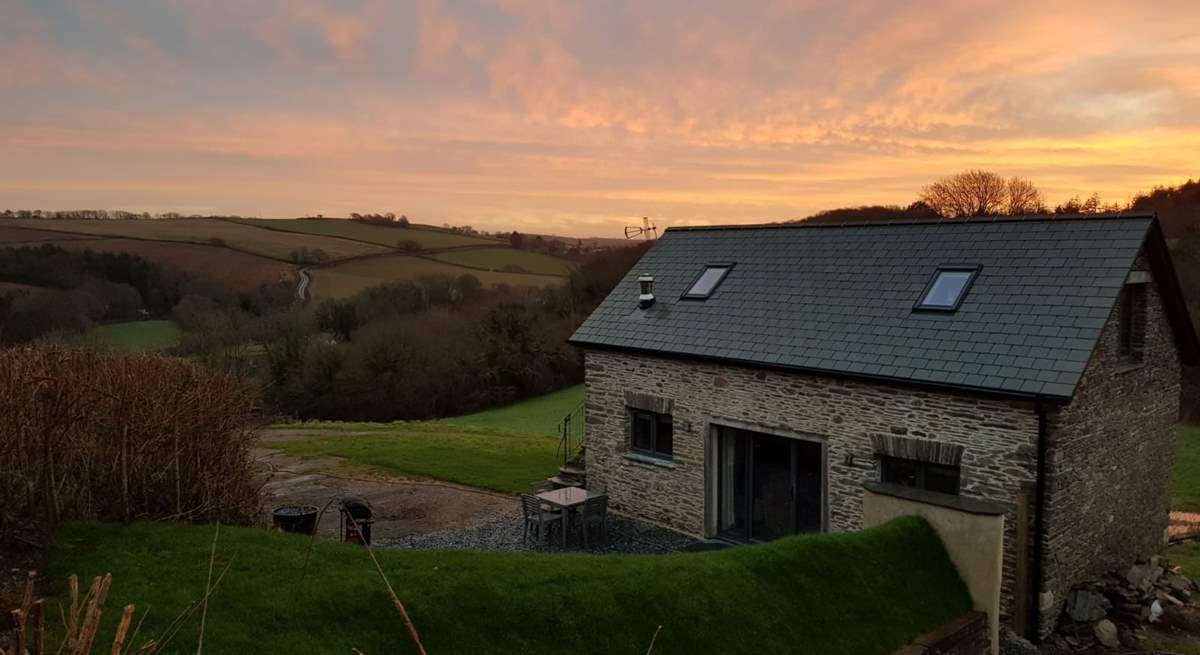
x=503, y=532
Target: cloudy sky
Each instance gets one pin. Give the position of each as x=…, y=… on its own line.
x=577, y=118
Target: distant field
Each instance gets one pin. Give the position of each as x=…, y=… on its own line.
x=350, y=278
x=138, y=336
x=497, y=259
x=270, y=243
x=377, y=234
x=16, y=236
x=237, y=270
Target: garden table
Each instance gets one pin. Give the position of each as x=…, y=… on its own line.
x=566, y=500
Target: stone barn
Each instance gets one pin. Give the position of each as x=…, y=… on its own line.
x=748, y=382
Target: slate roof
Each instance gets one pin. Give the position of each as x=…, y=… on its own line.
x=840, y=299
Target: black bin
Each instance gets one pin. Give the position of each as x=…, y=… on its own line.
x=301, y=519
x=357, y=519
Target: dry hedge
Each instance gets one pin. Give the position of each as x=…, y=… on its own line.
x=86, y=434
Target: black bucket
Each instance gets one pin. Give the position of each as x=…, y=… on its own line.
x=301, y=519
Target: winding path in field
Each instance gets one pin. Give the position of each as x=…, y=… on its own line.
x=302, y=285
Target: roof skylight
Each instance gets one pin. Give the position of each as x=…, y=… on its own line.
x=949, y=286
x=707, y=283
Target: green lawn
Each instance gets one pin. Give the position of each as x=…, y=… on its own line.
x=138, y=336
x=1185, y=495
x=502, y=449
x=1186, y=476
x=477, y=458
x=820, y=594
x=537, y=416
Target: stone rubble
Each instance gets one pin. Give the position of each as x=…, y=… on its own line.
x=1114, y=611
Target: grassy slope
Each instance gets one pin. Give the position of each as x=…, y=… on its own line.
x=505, y=463
x=377, y=234
x=498, y=258
x=503, y=449
x=242, y=237
x=535, y=416
x=840, y=593
x=138, y=336
x=237, y=270
x=350, y=278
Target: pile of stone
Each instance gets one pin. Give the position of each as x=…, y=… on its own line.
x=1114, y=612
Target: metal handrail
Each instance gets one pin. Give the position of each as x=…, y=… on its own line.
x=571, y=435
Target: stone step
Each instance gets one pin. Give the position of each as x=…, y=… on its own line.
x=560, y=481
x=568, y=469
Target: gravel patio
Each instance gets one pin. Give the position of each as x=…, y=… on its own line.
x=502, y=532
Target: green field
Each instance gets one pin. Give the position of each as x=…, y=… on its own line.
x=1185, y=493
x=501, y=462
x=428, y=238
x=819, y=594
x=248, y=238
x=351, y=277
x=138, y=336
x=501, y=259
x=502, y=449
x=538, y=416
x=1185, y=481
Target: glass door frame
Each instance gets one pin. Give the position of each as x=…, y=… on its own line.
x=713, y=475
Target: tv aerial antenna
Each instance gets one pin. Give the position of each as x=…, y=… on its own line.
x=646, y=230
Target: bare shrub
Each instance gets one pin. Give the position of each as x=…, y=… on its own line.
x=85, y=434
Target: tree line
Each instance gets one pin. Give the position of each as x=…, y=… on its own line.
x=72, y=290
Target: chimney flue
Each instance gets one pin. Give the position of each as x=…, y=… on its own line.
x=647, y=297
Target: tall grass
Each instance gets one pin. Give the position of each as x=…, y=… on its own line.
x=85, y=434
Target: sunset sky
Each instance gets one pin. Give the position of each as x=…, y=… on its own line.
x=578, y=118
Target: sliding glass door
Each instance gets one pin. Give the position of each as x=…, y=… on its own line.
x=767, y=486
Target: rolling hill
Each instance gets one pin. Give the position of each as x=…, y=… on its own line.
x=348, y=278
x=427, y=238
x=246, y=254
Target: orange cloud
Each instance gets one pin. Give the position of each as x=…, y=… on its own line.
x=521, y=114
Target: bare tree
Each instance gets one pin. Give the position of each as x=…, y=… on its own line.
x=982, y=193
x=1024, y=198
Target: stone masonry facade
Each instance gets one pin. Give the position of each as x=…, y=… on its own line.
x=1108, y=467
x=998, y=437
x=1109, y=463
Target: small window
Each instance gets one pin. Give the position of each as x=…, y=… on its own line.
x=945, y=292
x=651, y=433
x=920, y=475
x=707, y=283
x=1132, y=332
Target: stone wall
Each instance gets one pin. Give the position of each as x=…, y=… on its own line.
x=998, y=437
x=1109, y=460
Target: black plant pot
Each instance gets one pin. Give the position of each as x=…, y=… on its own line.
x=301, y=519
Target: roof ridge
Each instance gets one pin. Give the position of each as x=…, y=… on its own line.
x=941, y=220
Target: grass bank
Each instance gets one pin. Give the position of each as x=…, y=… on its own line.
x=863, y=593
x=138, y=336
